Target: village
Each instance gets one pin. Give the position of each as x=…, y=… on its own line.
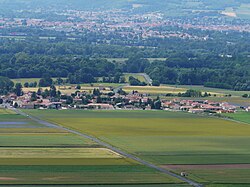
x=102, y=98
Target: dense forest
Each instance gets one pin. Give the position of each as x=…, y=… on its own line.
x=82, y=63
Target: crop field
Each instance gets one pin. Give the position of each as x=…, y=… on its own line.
x=221, y=94
x=166, y=89
x=31, y=153
x=240, y=116
x=80, y=175
x=38, y=139
x=154, y=89
x=244, y=11
x=139, y=77
x=214, y=90
x=28, y=80
x=170, y=138
x=57, y=153
x=69, y=89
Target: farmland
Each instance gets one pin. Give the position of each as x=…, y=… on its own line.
x=167, y=138
x=217, y=95
x=240, y=116
x=137, y=76
x=32, y=153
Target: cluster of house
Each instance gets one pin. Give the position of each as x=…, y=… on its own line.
x=132, y=101
x=199, y=106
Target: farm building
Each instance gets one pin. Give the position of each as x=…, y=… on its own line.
x=101, y=106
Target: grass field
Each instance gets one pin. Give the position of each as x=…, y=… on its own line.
x=240, y=116
x=116, y=174
x=154, y=89
x=57, y=153
x=236, y=96
x=43, y=139
x=244, y=11
x=214, y=90
x=50, y=156
x=168, y=138
x=139, y=77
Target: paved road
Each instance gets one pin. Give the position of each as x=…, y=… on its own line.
x=104, y=144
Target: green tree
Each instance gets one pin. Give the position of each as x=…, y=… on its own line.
x=18, y=89
x=6, y=85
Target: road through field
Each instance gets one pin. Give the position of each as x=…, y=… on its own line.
x=104, y=144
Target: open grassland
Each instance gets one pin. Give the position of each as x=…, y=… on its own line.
x=6, y=111
x=244, y=11
x=45, y=155
x=214, y=90
x=66, y=161
x=43, y=140
x=12, y=120
x=167, y=138
x=221, y=94
x=116, y=174
x=240, y=101
x=175, y=89
x=223, y=176
x=137, y=76
x=165, y=89
x=69, y=89
x=96, y=85
x=154, y=89
x=57, y=153
x=24, y=80
x=29, y=80
x=240, y=116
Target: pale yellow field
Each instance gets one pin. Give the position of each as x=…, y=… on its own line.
x=57, y=153
x=6, y=111
x=154, y=89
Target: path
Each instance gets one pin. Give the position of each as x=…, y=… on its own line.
x=104, y=144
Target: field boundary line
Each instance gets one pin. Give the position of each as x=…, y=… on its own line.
x=115, y=149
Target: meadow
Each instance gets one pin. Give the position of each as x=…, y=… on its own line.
x=135, y=75
x=240, y=116
x=167, y=138
x=217, y=95
x=154, y=89
x=31, y=153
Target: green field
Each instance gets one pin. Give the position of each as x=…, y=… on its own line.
x=167, y=138
x=154, y=89
x=57, y=153
x=240, y=116
x=33, y=154
x=43, y=139
x=115, y=174
x=221, y=94
x=135, y=75
x=213, y=90
x=244, y=11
